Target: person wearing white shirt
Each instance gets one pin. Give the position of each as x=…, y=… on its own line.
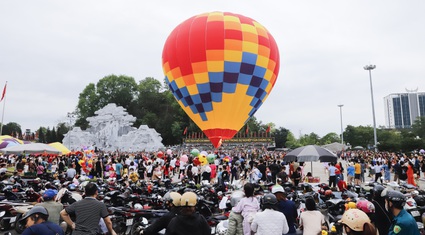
x=311, y=221
x=269, y=221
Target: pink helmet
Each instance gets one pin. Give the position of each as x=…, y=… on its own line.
x=366, y=206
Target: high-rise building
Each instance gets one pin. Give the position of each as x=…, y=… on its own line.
x=402, y=109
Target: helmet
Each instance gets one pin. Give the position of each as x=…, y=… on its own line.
x=173, y=198
x=414, y=193
x=188, y=199
x=350, y=205
x=269, y=199
x=366, y=206
x=236, y=197
x=354, y=219
x=397, y=198
x=36, y=210
x=328, y=192
x=277, y=189
x=377, y=190
x=138, y=206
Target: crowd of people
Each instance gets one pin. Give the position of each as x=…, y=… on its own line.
x=247, y=166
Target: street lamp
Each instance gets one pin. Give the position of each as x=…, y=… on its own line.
x=375, y=138
x=342, y=129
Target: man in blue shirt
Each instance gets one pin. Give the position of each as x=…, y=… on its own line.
x=350, y=173
x=37, y=223
x=118, y=169
x=287, y=207
x=403, y=223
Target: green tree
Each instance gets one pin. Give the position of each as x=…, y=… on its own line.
x=53, y=137
x=312, y=138
x=359, y=136
x=330, y=138
x=88, y=103
x=62, y=129
x=418, y=127
x=41, y=135
x=281, y=136
x=12, y=127
x=390, y=140
x=292, y=142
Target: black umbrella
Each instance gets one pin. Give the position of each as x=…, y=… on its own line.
x=310, y=153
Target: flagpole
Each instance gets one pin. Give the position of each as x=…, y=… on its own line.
x=4, y=104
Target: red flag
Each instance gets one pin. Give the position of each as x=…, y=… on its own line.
x=247, y=129
x=4, y=92
x=185, y=131
x=268, y=129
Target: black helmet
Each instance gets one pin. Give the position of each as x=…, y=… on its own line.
x=269, y=200
x=397, y=198
x=377, y=190
x=36, y=210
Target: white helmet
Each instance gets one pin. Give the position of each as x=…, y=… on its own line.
x=236, y=197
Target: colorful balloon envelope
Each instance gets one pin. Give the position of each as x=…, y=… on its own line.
x=220, y=67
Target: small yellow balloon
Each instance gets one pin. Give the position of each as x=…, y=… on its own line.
x=203, y=160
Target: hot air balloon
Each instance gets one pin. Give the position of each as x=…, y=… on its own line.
x=220, y=67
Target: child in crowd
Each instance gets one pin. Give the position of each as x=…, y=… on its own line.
x=248, y=207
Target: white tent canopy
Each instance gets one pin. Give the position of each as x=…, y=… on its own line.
x=31, y=148
x=335, y=147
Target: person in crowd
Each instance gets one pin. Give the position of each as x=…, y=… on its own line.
x=172, y=202
x=133, y=176
x=403, y=223
x=357, y=173
x=235, y=219
x=363, y=170
x=188, y=221
x=54, y=208
x=312, y=221
x=383, y=217
x=410, y=173
x=248, y=207
x=282, y=175
x=378, y=171
x=37, y=223
x=88, y=213
x=332, y=175
x=262, y=168
x=71, y=172
x=255, y=175
x=287, y=207
x=386, y=169
x=396, y=168
x=119, y=169
x=296, y=176
x=350, y=173
x=356, y=222
x=269, y=221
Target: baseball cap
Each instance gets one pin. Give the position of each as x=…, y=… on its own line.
x=277, y=189
x=49, y=194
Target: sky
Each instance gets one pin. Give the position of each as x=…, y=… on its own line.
x=51, y=50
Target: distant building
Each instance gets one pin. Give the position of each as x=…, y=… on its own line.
x=402, y=109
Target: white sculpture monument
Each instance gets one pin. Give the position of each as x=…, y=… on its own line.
x=110, y=130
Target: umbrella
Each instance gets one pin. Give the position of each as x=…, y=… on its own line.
x=60, y=147
x=310, y=153
x=31, y=148
x=358, y=148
